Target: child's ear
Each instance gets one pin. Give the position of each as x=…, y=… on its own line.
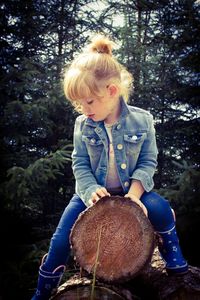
x=113, y=90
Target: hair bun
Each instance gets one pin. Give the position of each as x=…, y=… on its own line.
x=101, y=44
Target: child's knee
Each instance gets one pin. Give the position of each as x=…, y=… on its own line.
x=153, y=202
x=159, y=211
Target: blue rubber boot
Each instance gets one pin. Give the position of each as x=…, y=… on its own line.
x=171, y=253
x=162, y=217
x=48, y=283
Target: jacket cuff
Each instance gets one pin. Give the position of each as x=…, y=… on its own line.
x=146, y=180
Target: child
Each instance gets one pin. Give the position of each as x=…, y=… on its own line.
x=114, y=153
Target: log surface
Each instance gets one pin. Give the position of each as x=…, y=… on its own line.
x=113, y=238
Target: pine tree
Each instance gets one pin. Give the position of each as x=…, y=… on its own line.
x=162, y=55
x=37, y=121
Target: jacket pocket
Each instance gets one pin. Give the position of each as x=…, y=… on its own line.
x=92, y=141
x=134, y=138
x=94, y=148
x=134, y=141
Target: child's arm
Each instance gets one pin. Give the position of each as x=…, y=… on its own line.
x=136, y=189
x=142, y=177
x=135, y=192
x=147, y=160
x=86, y=184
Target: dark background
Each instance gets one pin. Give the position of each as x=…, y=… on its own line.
x=158, y=41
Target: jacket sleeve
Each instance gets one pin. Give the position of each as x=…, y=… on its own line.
x=85, y=181
x=147, y=160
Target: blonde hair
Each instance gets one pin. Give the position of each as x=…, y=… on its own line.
x=92, y=70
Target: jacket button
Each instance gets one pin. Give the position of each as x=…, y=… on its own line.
x=134, y=138
x=119, y=146
x=123, y=166
x=93, y=141
x=126, y=183
x=98, y=130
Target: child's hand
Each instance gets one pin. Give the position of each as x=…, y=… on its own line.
x=99, y=193
x=137, y=201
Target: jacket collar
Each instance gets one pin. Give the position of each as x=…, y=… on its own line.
x=124, y=109
x=124, y=112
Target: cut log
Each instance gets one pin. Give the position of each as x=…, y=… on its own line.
x=174, y=287
x=80, y=288
x=113, y=239
x=153, y=283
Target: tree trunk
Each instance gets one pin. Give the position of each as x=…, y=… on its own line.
x=113, y=241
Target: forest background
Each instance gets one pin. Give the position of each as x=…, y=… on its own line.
x=158, y=41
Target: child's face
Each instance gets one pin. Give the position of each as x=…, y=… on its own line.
x=107, y=108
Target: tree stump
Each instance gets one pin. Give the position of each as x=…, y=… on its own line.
x=113, y=239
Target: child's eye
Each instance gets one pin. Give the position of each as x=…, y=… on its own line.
x=90, y=102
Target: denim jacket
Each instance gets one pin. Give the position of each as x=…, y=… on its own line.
x=134, y=145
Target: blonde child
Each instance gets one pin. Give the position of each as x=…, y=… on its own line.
x=114, y=153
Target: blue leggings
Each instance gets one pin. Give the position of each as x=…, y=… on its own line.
x=159, y=214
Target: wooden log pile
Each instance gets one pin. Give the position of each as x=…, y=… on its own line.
x=114, y=242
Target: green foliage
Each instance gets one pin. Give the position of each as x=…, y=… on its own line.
x=159, y=44
x=26, y=181
x=184, y=194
